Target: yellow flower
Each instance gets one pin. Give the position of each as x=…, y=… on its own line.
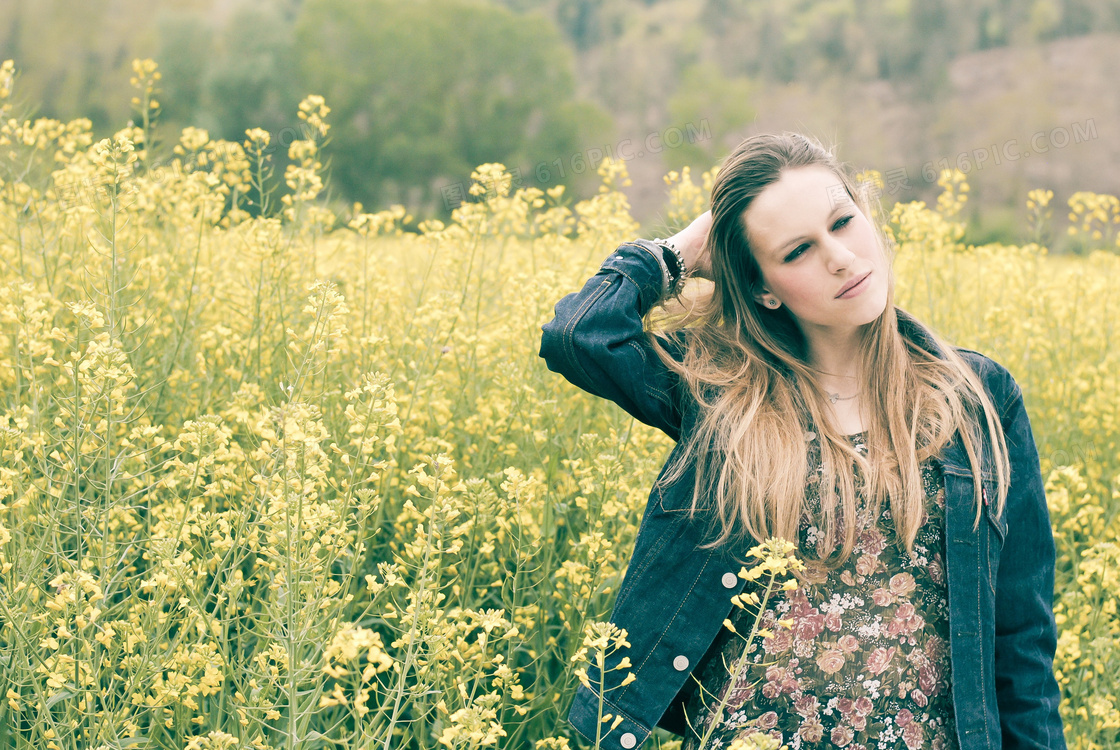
x=7, y=75
x=258, y=138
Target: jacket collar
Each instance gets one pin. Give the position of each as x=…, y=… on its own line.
x=911, y=328
x=954, y=460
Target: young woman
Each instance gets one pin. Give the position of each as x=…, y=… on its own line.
x=806, y=406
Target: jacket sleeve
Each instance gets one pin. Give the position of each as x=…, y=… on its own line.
x=597, y=342
x=1025, y=632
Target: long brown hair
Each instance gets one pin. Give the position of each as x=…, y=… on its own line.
x=747, y=367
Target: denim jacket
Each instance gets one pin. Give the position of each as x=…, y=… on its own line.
x=674, y=598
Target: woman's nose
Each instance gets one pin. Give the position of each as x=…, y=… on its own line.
x=838, y=254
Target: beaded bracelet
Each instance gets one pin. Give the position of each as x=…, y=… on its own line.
x=678, y=277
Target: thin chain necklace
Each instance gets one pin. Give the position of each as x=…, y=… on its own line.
x=834, y=397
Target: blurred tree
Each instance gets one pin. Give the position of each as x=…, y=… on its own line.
x=423, y=91
x=934, y=21
x=186, y=47
x=716, y=15
x=430, y=90
x=1043, y=20
x=895, y=49
x=705, y=95
x=252, y=82
x=586, y=23
x=580, y=20
x=75, y=56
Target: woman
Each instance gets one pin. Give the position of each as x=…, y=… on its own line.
x=807, y=406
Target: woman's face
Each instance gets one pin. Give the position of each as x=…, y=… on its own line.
x=810, y=241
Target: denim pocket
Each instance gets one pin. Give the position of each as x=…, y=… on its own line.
x=675, y=498
x=997, y=534
x=998, y=522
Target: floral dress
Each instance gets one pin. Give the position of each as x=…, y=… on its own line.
x=865, y=665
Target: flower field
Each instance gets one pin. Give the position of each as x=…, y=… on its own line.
x=276, y=475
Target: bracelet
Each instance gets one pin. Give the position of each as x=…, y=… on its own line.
x=678, y=277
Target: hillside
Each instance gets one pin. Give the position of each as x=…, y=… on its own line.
x=991, y=106
x=902, y=88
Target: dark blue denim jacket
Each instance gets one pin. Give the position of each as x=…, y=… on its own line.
x=674, y=598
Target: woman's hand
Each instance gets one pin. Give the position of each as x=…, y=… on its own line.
x=691, y=242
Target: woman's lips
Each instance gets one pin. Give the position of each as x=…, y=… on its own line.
x=856, y=289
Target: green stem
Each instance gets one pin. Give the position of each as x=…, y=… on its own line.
x=740, y=665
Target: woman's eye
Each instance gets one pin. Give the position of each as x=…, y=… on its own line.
x=840, y=224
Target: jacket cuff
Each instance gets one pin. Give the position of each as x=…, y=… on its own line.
x=642, y=262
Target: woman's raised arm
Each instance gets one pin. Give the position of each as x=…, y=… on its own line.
x=597, y=342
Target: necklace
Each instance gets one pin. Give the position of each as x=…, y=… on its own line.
x=834, y=397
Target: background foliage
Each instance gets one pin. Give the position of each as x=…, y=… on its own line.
x=424, y=91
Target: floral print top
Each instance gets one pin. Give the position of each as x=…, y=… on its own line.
x=865, y=665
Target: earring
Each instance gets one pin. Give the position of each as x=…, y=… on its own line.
x=771, y=303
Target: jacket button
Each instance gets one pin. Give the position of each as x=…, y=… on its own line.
x=730, y=580
x=628, y=740
x=680, y=663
